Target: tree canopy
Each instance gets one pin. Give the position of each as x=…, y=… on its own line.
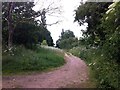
x=67, y=40
x=20, y=25
x=92, y=13
x=103, y=26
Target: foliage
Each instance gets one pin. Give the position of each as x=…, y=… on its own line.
x=26, y=29
x=47, y=36
x=21, y=60
x=13, y=13
x=66, y=34
x=77, y=50
x=25, y=35
x=102, y=42
x=103, y=26
x=67, y=40
x=105, y=72
x=44, y=42
x=91, y=13
x=111, y=26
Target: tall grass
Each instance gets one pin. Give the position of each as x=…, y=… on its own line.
x=105, y=71
x=21, y=59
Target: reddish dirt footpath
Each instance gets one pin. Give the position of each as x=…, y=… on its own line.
x=73, y=74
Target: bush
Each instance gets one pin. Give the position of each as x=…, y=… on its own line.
x=44, y=43
x=105, y=71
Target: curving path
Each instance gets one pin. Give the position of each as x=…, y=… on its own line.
x=73, y=74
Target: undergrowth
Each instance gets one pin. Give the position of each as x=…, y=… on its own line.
x=104, y=71
x=19, y=59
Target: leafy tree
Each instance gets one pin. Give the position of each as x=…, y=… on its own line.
x=67, y=40
x=103, y=26
x=66, y=34
x=44, y=34
x=91, y=13
x=108, y=51
x=111, y=26
x=25, y=28
x=15, y=12
x=51, y=9
x=26, y=34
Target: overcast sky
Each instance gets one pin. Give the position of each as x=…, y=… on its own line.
x=66, y=17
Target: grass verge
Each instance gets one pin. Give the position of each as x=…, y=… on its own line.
x=21, y=60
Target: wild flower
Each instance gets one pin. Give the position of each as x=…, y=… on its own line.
x=10, y=49
x=90, y=64
x=94, y=63
x=5, y=50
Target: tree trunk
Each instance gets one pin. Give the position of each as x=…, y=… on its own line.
x=10, y=26
x=10, y=37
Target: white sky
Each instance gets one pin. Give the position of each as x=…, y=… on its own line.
x=66, y=17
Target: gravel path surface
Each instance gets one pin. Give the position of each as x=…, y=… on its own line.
x=73, y=74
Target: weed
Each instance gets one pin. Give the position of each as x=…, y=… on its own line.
x=104, y=71
x=25, y=60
